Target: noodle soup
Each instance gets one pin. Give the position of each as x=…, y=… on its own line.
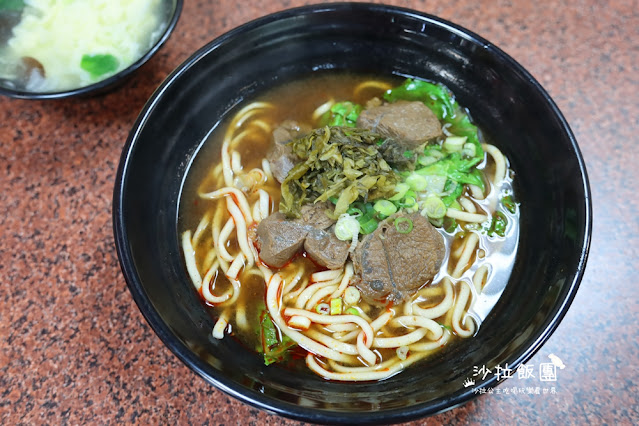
x=345, y=325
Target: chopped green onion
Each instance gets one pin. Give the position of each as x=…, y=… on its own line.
x=401, y=189
x=336, y=306
x=352, y=311
x=412, y=209
x=509, y=204
x=323, y=308
x=355, y=212
x=474, y=227
x=455, y=205
x=449, y=224
x=437, y=223
x=368, y=226
x=434, y=207
x=351, y=295
x=385, y=207
x=367, y=222
x=416, y=182
x=454, y=143
x=468, y=150
x=403, y=225
x=346, y=228
x=498, y=225
x=407, y=202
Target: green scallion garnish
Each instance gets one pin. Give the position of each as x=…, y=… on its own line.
x=403, y=225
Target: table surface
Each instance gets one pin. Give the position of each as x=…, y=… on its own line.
x=74, y=347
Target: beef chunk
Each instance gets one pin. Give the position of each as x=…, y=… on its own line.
x=315, y=215
x=390, y=265
x=410, y=123
x=280, y=156
x=395, y=155
x=326, y=249
x=280, y=238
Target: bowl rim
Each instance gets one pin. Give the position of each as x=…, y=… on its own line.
x=262, y=401
x=102, y=85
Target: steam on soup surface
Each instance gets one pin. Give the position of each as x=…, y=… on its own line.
x=362, y=223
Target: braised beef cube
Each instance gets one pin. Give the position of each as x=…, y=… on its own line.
x=280, y=156
x=326, y=249
x=279, y=239
x=391, y=265
x=409, y=123
x=315, y=215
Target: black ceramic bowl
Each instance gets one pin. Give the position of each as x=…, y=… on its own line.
x=505, y=101
x=171, y=10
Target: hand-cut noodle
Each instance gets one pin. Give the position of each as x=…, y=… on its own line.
x=382, y=86
x=189, y=254
x=440, y=309
x=206, y=288
x=320, y=294
x=307, y=294
x=220, y=326
x=460, y=320
x=322, y=109
x=372, y=341
x=480, y=277
x=223, y=236
x=466, y=216
x=201, y=227
x=346, y=279
x=470, y=245
x=467, y=205
x=500, y=162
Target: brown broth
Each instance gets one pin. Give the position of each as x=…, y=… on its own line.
x=297, y=101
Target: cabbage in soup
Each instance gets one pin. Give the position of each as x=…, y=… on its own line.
x=359, y=224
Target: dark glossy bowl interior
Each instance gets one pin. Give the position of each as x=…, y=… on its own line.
x=504, y=100
x=170, y=15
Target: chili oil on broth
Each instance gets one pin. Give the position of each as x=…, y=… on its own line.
x=297, y=101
